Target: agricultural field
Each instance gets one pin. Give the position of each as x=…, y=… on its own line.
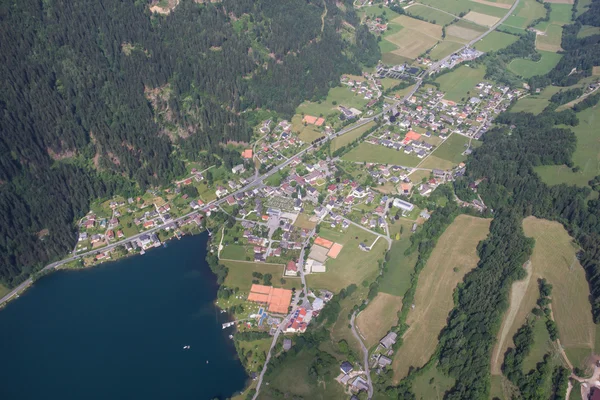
x=397, y=278
x=453, y=257
x=586, y=155
x=367, y=152
x=495, y=41
x=432, y=384
x=443, y=49
x=303, y=221
x=587, y=30
x=463, y=31
x=550, y=40
x=554, y=259
x=352, y=265
x=429, y=14
x=306, y=133
x=526, y=12
x=457, y=83
x=481, y=19
x=463, y=6
x=535, y=103
x=377, y=319
x=453, y=147
x=342, y=95
x=350, y=136
x=414, y=38
x=240, y=274
x=434, y=162
x=527, y=68
x=582, y=6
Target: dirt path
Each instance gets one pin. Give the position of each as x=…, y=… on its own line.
x=517, y=293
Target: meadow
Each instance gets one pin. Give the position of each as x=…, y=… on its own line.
x=350, y=136
x=432, y=162
x=341, y=95
x=367, y=152
x=430, y=15
x=432, y=384
x=527, y=68
x=306, y=133
x=535, y=103
x=443, y=49
x=457, y=83
x=375, y=321
x=526, y=12
x=414, y=38
x=240, y=274
x=551, y=40
x=495, y=41
x=453, y=257
x=453, y=147
x=397, y=278
x=459, y=6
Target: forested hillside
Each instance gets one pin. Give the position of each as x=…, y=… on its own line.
x=100, y=97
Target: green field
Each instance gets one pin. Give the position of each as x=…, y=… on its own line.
x=234, y=252
x=350, y=136
x=582, y=6
x=457, y=83
x=352, y=265
x=375, y=11
x=552, y=40
x=378, y=154
x=432, y=384
x=560, y=13
x=342, y=95
x=452, y=148
x=587, y=30
x=526, y=12
x=430, y=15
x=240, y=274
x=397, y=278
x=586, y=155
x=528, y=68
x=444, y=49
x=495, y=41
x=541, y=345
x=457, y=6
x=3, y=290
x=536, y=103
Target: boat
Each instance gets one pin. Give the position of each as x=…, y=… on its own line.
x=186, y=347
x=207, y=361
x=230, y=336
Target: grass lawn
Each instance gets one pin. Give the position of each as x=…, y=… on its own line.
x=457, y=83
x=579, y=356
x=433, y=16
x=560, y=13
x=340, y=94
x=528, y=68
x=554, y=259
x=586, y=155
x=240, y=274
x=397, y=278
x=541, y=345
x=350, y=136
x=418, y=176
x=274, y=180
x=234, y=252
x=452, y=148
x=495, y=41
x=380, y=315
x=378, y=154
x=444, y=49
x=525, y=13
x=375, y=11
x=352, y=265
x=432, y=384
x=303, y=221
x=453, y=257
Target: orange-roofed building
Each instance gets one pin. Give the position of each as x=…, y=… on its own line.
x=247, y=154
x=412, y=135
x=277, y=300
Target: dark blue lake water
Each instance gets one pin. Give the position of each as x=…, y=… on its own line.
x=117, y=331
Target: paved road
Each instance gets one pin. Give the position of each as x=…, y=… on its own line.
x=365, y=355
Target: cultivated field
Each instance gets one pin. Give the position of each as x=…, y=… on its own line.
x=352, y=265
x=495, y=41
x=457, y=83
x=444, y=49
x=586, y=155
x=432, y=162
x=453, y=257
x=350, y=136
x=528, y=68
x=429, y=14
x=501, y=4
x=462, y=33
x=378, y=154
x=453, y=147
x=464, y=6
x=380, y=315
x=481, y=19
x=554, y=259
x=551, y=40
x=415, y=37
x=526, y=12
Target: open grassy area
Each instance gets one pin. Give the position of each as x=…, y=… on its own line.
x=453, y=257
x=397, y=278
x=240, y=274
x=235, y=252
x=352, y=265
x=457, y=83
x=541, y=345
x=551, y=40
x=528, y=68
x=380, y=315
x=303, y=221
x=414, y=37
x=431, y=15
x=587, y=30
x=459, y=6
x=342, y=95
x=432, y=384
x=433, y=162
x=444, y=49
x=495, y=41
x=586, y=155
x=536, y=103
x=452, y=148
x=378, y=154
x=3, y=290
x=554, y=259
x=350, y=136
x=306, y=133
x=526, y=12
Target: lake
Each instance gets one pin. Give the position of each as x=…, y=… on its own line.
x=117, y=331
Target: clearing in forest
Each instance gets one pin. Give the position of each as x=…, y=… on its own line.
x=375, y=321
x=554, y=259
x=453, y=257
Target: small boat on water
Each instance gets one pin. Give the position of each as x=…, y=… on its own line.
x=231, y=337
x=165, y=244
x=207, y=361
x=186, y=347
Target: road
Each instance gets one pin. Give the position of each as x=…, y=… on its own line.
x=365, y=355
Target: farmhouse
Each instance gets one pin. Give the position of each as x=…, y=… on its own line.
x=388, y=340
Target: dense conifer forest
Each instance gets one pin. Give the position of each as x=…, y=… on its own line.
x=104, y=97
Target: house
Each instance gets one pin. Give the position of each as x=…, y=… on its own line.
x=120, y=234
x=388, y=340
x=287, y=344
x=83, y=236
x=346, y=367
x=238, y=169
x=149, y=224
x=96, y=238
x=291, y=268
x=360, y=384
x=384, y=361
x=221, y=191
x=403, y=205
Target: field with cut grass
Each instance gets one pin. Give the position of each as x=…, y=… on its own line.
x=444, y=49
x=481, y=19
x=350, y=136
x=303, y=221
x=528, y=68
x=429, y=14
x=378, y=154
x=495, y=41
x=463, y=31
x=536, y=103
x=433, y=162
x=526, y=12
x=397, y=278
x=457, y=83
x=453, y=147
x=240, y=274
x=352, y=265
x=459, y=6
x=586, y=155
x=453, y=257
x=380, y=315
x=414, y=38
x=342, y=95
x=554, y=259
x=306, y=133
x=587, y=30
x=432, y=384
x=551, y=40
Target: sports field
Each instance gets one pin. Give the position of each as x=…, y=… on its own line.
x=453, y=257
x=380, y=315
x=526, y=12
x=457, y=83
x=414, y=38
x=350, y=136
x=528, y=68
x=383, y=155
x=586, y=155
x=495, y=41
x=352, y=265
x=554, y=259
